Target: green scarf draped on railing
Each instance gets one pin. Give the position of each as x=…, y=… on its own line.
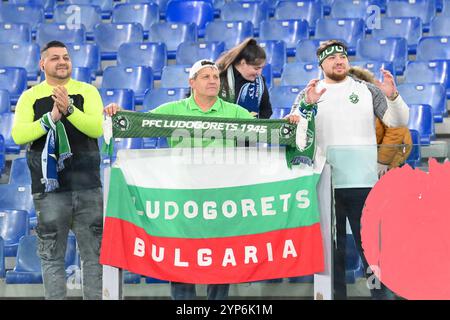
x=298, y=139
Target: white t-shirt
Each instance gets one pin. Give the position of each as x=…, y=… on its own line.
x=345, y=130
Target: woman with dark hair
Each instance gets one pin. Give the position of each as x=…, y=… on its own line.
x=241, y=81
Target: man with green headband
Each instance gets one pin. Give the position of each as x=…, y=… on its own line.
x=60, y=119
x=346, y=113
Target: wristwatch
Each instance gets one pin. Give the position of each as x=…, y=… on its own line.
x=71, y=107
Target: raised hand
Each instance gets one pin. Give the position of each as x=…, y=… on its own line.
x=388, y=85
x=312, y=96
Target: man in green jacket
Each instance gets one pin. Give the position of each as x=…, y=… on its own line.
x=204, y=101
x=60, y=119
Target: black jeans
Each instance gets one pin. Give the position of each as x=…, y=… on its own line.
x=349, y=203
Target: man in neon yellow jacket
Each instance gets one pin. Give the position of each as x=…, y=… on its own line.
x=60, y=119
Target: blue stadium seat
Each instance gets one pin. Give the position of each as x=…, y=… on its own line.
x=14, y=80
x=144, y=13
x=123, y=97
x=306, y=10
x=290, y=31
x=18, y=197
x=139, y=79
x=353, y=263
x=21, y=55
x=5, y=102
x=150, y=54
x=2, y=259
x=175, y=76
x=109, y=37
x=6, y=122
x=172, y=34
x=408, y=28
x=424, y=9
x=375, y=66
x=15, y=32
x=48, y=5
x=432, y=94
x=299, y=73
x=30, y=14
x=106, y=6
x=275, y=55
x=87, y=15
x=415, y=156
x=85, y=55
x=255, y=12
x=421, y=120
x=190, y=52
x=13, y=225
x=47, y=32
x=162, y=4
x=433, y=48
x=20, y=173
x=348, y=30
x=349, y=9
x=198, y=12
x=306, y=50
x=428, y=72
x=440, y=26
x=393, y=50
x=283, y=97
x=158, y=96
x=28, y=264
x=230, y=32
x=82, y=74
x=268, y=75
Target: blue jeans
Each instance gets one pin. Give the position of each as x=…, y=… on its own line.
x=186, y=291
x=58, y=212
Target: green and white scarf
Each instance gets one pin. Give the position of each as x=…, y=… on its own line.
x=56, y=150
x=298, y=139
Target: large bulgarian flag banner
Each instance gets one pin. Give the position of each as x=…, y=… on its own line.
x=212, y=215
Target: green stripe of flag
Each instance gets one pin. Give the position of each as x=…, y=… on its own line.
x=220, y=212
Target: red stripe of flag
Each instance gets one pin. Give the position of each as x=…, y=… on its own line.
x=302, y=249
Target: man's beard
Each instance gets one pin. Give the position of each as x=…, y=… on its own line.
x=336, y=77
x=61, y=77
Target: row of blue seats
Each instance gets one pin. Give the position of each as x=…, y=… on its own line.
x=176, y=43
x=230, y=32
x=202, y=12
x=392, y=50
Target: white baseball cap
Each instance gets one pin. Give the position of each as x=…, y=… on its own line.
x=199, y=65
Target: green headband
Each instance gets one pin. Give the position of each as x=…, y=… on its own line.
x=330, y=51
